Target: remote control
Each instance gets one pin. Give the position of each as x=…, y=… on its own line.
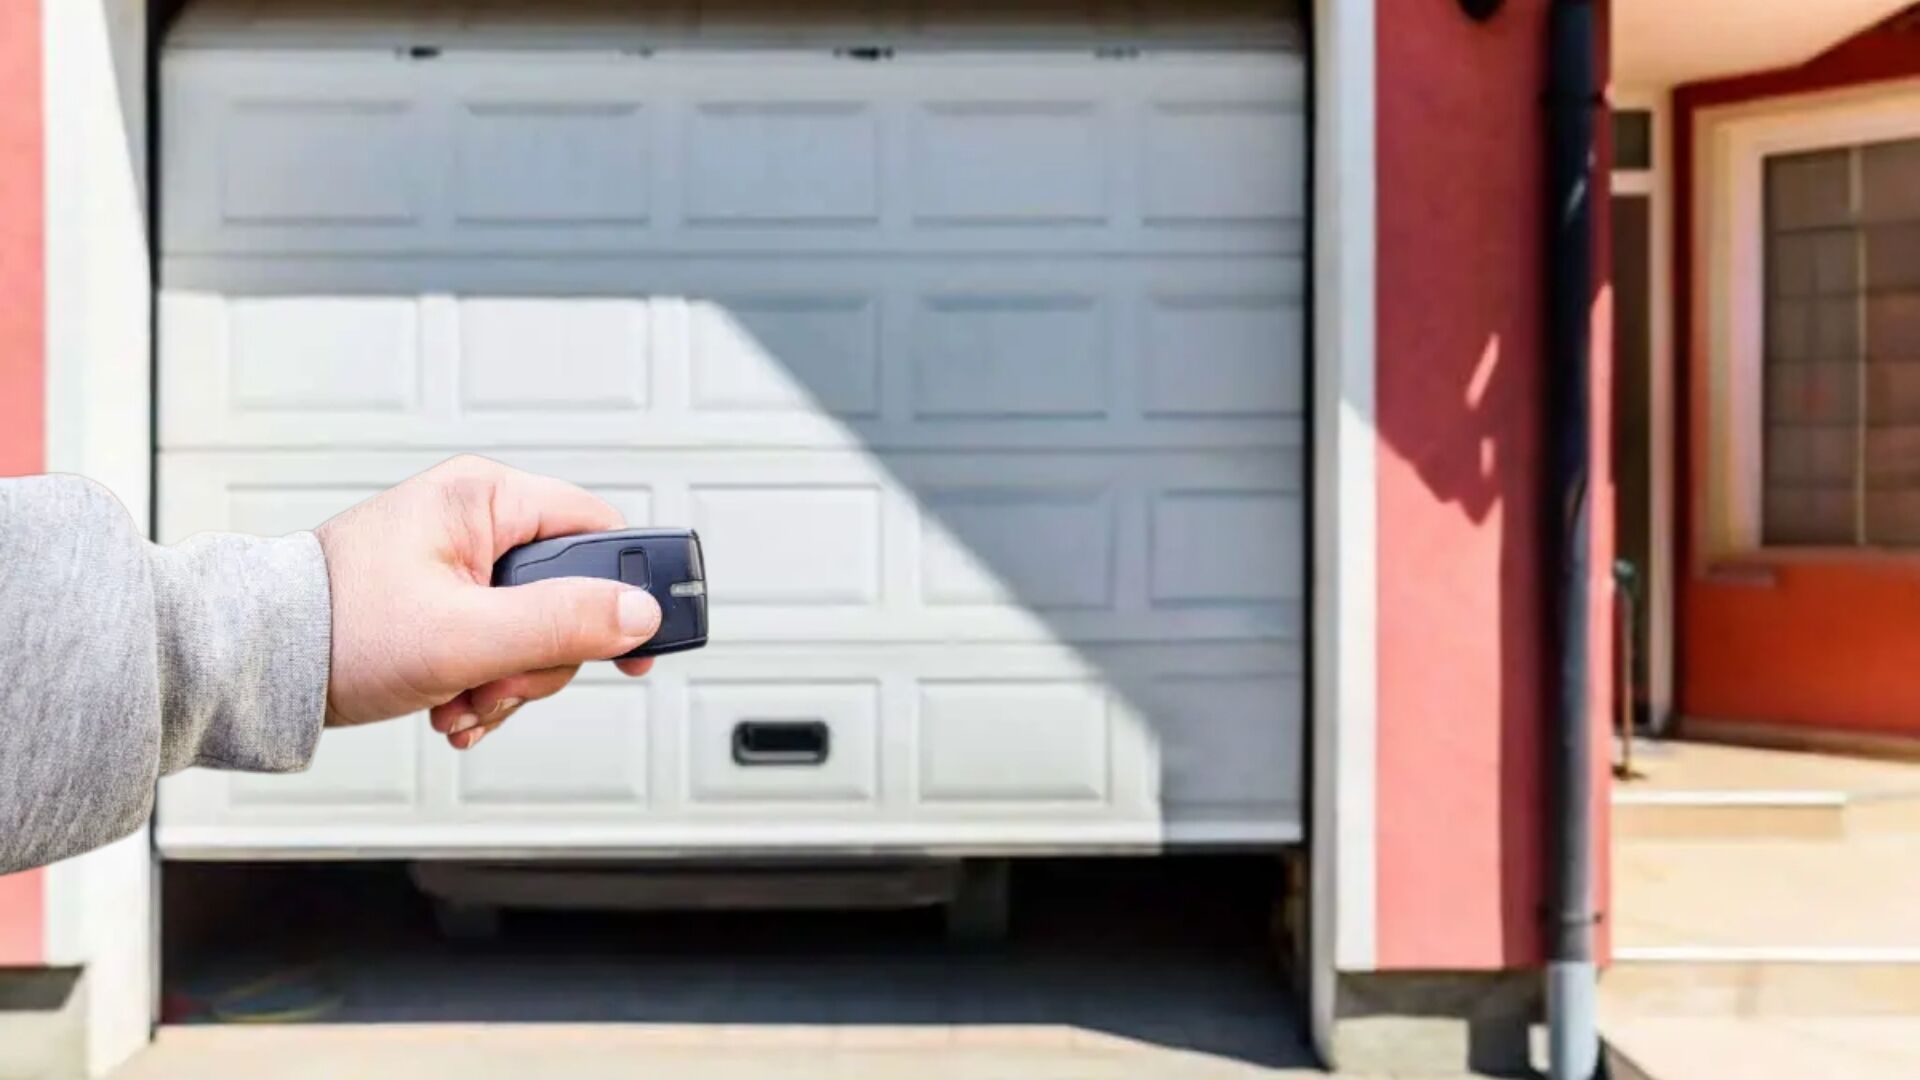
x=665, y=562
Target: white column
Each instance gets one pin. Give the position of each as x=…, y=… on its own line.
x=1344, y=582
x=100, y=910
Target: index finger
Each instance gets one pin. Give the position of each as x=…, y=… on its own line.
x=528, y=507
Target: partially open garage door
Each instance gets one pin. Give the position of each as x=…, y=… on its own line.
x=973, y=347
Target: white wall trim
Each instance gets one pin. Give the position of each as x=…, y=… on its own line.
x=1344, y=692
x=98, y=393
x=1730, y=152
x=1663, y=455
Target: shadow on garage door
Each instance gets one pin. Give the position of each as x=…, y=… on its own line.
x=1166, y=953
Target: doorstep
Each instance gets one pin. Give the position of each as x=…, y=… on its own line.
x=1762, y=915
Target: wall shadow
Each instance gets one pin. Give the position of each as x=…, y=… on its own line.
x=1463, y=423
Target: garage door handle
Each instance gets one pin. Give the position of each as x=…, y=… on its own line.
x=780, y=742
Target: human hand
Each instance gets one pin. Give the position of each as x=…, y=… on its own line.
x=417, y=624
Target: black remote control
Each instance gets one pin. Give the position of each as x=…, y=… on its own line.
x=665, y=562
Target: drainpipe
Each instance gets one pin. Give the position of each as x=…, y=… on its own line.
x=1572, y=1034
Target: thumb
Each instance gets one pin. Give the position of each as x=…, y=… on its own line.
x=556, y=623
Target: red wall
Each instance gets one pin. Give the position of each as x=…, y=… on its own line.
x=1825, y=641
x=22, y=349
x=1461, y=414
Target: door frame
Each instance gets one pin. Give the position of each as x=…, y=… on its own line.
x=1655, y=184
x=101, y=908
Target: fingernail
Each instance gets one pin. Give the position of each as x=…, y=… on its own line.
x=466, y=721
x=502, y=707
x=639, y=613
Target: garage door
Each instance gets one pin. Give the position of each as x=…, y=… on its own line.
x=971, y=344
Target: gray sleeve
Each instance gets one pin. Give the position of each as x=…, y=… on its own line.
x=121, y=661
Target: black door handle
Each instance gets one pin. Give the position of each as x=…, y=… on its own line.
x=780, y=742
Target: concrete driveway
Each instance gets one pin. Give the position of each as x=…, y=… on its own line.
x=1122, y=969
x=708, y=1052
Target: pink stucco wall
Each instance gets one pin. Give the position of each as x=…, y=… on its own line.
x=22, y=351
x=1462, y=385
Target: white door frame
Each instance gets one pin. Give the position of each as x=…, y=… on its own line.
x=1342, y=694
x=1656, y=184
x=101, y=908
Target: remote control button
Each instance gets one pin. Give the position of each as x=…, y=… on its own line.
x=633, y=567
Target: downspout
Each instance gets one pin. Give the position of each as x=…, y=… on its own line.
x=1571, y=976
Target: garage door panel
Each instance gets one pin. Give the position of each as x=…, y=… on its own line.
x=1011, y=354
x=367, y=767
x=1117, y=746
x=787, y=161
x=204, y=500
x=876, y=354
x=1228, y=745
x=634, y=502
x=848, y=709
x=1213, y=354
x=948, y=153
x=1218, y=546
x=932, y=547
x=787, y=352
x=553, y=355
x=981, y=375
x=1041, y=548
x=791, y=545
x=269, y=509
x=319, y=162
x=1009, y=741
x=539, y=161
x=538, y=760
x=323, y=150
x=324, y=354
x=1011, y=162
x=1258, y=145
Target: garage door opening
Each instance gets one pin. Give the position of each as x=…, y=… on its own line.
x=976, y=360
x=1142, y=962
x=971, y=338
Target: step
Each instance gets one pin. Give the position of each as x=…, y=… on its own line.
x=1730, y=815
x=1689, y=1013
x=1763, y=916
x=1763, y=982
x=1766, y=927
x=1772, y=894
x=1791, y=1048
x=1698, y=791
x=1763, y=815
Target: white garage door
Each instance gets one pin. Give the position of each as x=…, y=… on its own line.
x=977, y=361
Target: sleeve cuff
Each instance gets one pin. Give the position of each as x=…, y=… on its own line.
x=245, y=642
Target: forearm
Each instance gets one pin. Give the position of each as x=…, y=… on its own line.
x=121, y=661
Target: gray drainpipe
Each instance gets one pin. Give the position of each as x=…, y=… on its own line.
x=1572, y=1033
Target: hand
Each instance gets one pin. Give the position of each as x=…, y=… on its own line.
x=417, y=625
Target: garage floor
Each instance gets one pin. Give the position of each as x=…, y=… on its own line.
x=483, y=1052
x=1116, y=968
